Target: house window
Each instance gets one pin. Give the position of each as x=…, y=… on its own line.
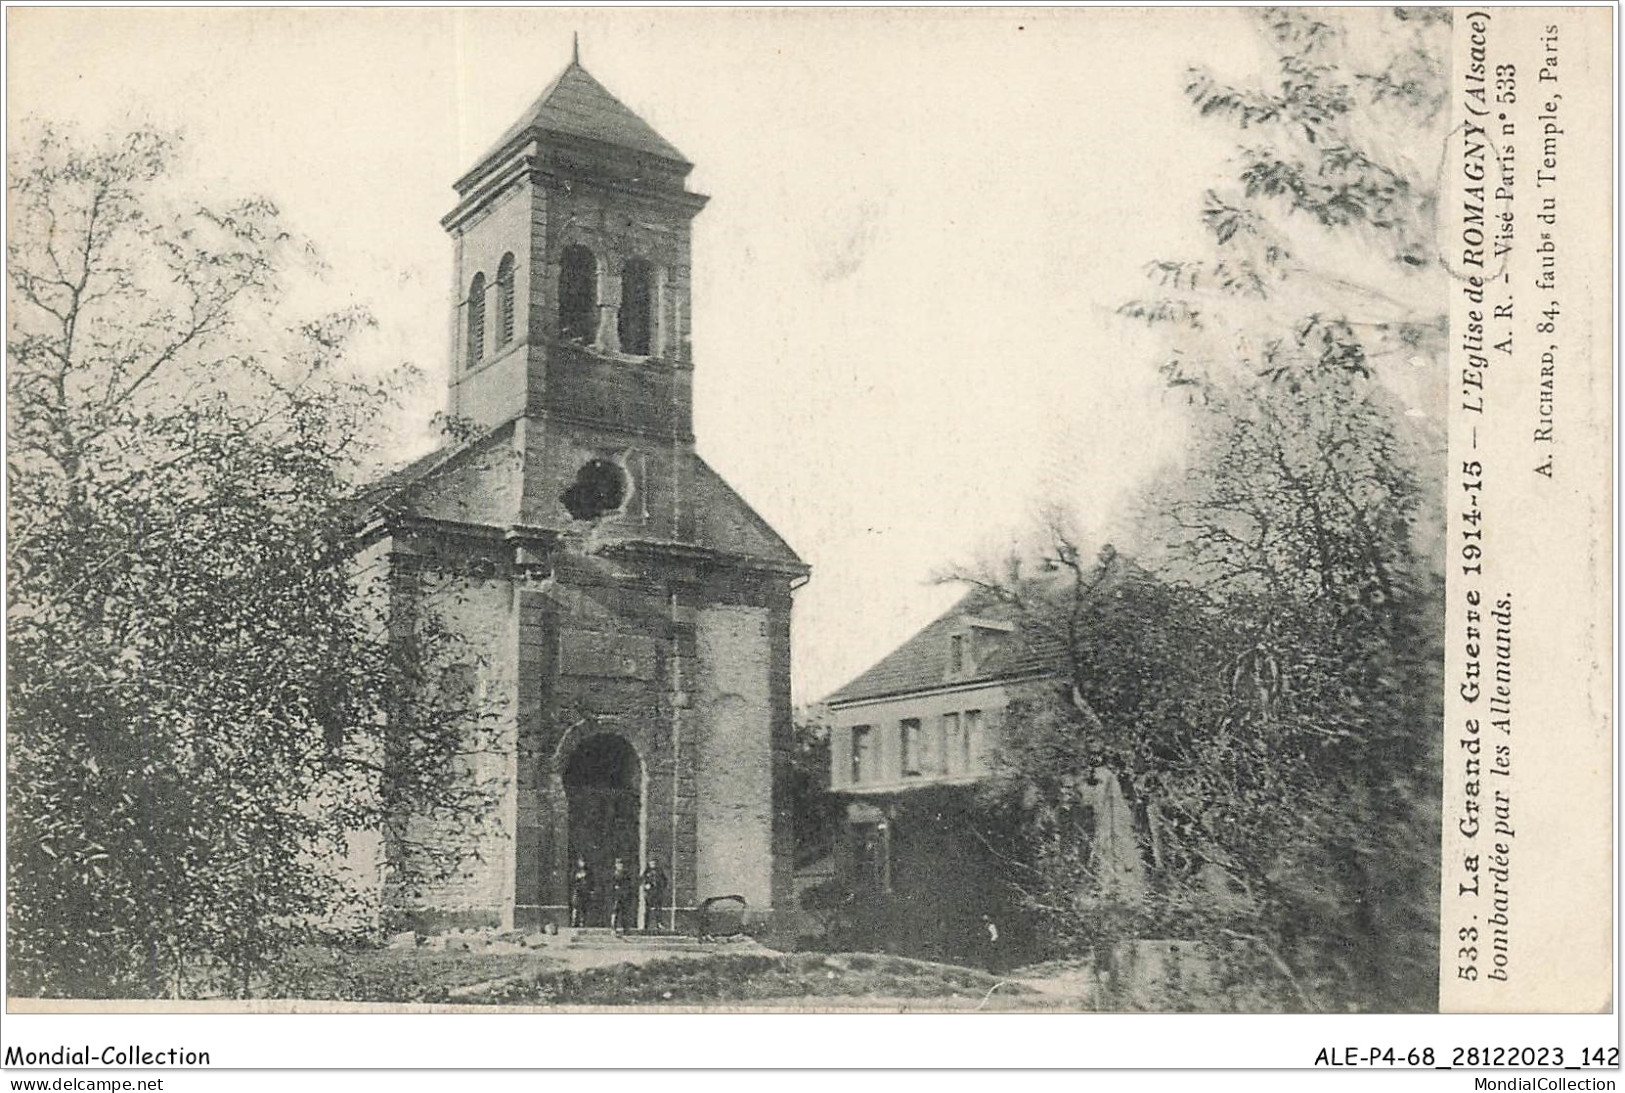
x=956, y=653
x=913, y=748
x=505, y=300
x=862, y=753
x=476, y=320
x=636, y=323
x=578, y=294
x=969, y=738
x=952, y=749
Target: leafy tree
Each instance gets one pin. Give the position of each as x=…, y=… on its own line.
x=1135, y=657
x=1264, y=692
x=1312, y=340
x=1323, y=245
x=1296, y=525
x=1263, y=695
x=203, y=708
x=815, y=814
x=1316, y=356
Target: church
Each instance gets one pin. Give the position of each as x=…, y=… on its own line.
x=628, y=614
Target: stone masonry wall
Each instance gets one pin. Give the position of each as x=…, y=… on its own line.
x=734, y=739
x=492, y=389
x=478, y=614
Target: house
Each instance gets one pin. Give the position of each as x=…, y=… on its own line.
x=627, y=613
x=910, y=739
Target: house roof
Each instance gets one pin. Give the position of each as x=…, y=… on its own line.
x=921, y=662
x=577, y=105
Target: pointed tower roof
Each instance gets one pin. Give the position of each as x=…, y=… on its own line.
x=577, y=105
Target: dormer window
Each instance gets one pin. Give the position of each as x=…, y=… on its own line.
x=476, y=320
x=578, y=294
x=636, y=324
x=977, y=641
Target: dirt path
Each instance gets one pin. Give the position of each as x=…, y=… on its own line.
x=1066, y=988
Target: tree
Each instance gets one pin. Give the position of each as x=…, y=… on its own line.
x=1265, y=690
x=203, y=710
x=1083, y=758
x=1324, y=244
x=1079, y=756
x=1312, y=342
x=1297, y=525
x=1316, y=361
x=815, y=814
x=1264, y=722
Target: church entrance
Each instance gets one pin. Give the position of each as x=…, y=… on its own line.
x=603, y=784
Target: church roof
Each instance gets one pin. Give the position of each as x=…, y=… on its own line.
x=379, y=493
x=577, y=105
x=451, y=483
x=728, y=524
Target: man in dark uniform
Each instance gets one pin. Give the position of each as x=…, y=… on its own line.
x=580, y=893
x=653, y=883
x=623, y=906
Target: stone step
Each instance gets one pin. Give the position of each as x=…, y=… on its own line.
x=599, y=938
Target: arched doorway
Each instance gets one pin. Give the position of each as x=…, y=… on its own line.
x=603, y=783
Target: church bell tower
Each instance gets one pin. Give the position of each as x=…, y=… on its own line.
x=572, y=240
x=628, y=613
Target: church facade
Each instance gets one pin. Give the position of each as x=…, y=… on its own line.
x=628, y=613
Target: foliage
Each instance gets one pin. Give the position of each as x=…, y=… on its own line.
x=815, y=814
x=1262, y=687
x=1316, y=791
x=689, y=979
x=1257, y=703
x=369, y=974
x=752, y=978
x=202, y=709
x=1324, y=247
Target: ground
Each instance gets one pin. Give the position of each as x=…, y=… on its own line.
x=593, y=969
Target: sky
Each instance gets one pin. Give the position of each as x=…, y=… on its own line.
x=921, y=224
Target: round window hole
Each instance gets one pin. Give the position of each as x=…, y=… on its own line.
x=599, y=489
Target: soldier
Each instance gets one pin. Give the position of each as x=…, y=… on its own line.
x=654, y=892
x=623, y=906
x=580, y=893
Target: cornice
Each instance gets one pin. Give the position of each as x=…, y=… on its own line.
x=480, y=187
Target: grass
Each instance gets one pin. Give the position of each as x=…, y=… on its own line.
x=744, y=978
x=378, y=975
x=527, y=979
